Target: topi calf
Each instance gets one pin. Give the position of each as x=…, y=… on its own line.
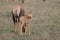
x=25, y=22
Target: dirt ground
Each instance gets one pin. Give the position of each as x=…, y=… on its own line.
x=45, y=23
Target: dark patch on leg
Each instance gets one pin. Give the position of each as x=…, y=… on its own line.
x=19, y=19
x=23, y=28
x=14, y=20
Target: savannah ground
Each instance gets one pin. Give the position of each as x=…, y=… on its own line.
x=45, y=24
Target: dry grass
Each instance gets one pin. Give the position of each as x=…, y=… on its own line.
x=45, y=24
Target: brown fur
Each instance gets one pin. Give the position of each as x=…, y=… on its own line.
x=25, y=22
x=17, y=12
